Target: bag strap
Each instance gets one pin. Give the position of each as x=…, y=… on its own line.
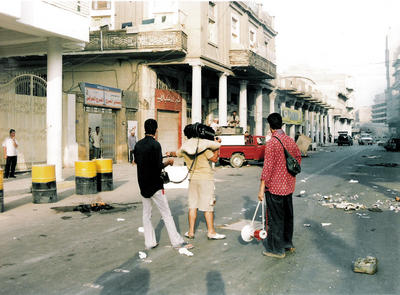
x=280, y=142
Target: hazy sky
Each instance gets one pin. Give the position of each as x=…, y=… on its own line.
x=344, y=36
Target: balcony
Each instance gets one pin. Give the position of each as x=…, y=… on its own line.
x=143, y=44
x=249, y=65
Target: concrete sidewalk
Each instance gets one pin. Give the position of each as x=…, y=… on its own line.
x=17, y=192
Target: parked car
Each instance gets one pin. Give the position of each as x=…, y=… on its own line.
x=393, y=144
x=365, y=139
x=344, y=139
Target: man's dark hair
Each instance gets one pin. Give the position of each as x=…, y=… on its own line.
x=150, y=126
x=12, y=130
x=275, y=121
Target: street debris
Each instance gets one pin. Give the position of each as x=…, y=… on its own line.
x=66, y=217
x=121, y=270
x=353, y=181
x=397, y=199
x=368, y=265
x=363, y=215
x=346, y=206
x=94, y=286
x=120, y=219
x=142, y=255
x=307, y=225
x=371, y=157
x=326, y=223
x=303, y=180
x=141, y=229
x=184, y=251
x=384, y=165
x=225, y=244
x=375, y=209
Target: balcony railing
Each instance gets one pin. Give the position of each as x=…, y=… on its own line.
x=150, y=41
x=250, y=64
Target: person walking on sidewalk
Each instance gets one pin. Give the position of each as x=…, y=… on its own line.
x=277, y=185
x=201, y=182
x=10, y=145
x=148, y=158
x=131, y=144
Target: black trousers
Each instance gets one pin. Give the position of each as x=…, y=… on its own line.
x=279, y=223
x=11, y=162
x=131, y=156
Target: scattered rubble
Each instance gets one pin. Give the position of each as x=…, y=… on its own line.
x=368, y=265
x=326, y=223
x=307, y=225
x=353, y=181
x=184, y=251
x=142, y=255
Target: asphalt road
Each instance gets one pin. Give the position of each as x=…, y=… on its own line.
x=70, y=253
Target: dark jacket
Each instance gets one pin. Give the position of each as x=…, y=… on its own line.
x=148, y=157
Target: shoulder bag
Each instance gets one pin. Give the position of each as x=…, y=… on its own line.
x=293, y=167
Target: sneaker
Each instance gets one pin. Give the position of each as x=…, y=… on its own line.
x=269, y=254
x=216, y=236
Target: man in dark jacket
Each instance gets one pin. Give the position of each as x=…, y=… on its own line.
x=277, y=184
x=148, y=157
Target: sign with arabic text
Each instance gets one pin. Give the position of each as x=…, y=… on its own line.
x=290, y=116
x=101, y=96
x=168, y=100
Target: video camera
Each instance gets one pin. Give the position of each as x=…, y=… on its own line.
x=199, y=130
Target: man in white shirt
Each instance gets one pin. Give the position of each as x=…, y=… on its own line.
x=97, y=140
x=10, y=145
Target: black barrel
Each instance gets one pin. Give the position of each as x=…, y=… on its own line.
x=85, y=178
x=104, y=175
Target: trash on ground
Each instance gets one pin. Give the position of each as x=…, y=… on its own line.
x=95, y=286
x=368, y=265
x=395, y=208
x=353, y=181
x=141, y=229
x=184, y=251
x=346, y=206
x=307, y=225
x=375, y=209
x=121, y=270
x=384, y=164
x=225, y=244
x=303, y=180
x=66, y=217
x=326, y=223
x=142, y=255
x=120, y=219
x=363, y=215
x=147, y=260
x=397, y=199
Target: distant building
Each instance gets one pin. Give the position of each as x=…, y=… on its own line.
x=363, y=115
x=379, y=110
x=393, y=85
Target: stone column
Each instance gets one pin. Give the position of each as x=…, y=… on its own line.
x=317, y=126
x=258, y=115
x=312, y=126
x=326, y=131
x=272, y=97
x=243, y=105
x=196, y=93
x=321, y=128
x=306, y=130
x=222, y=99
x=54, y=106
x=292, y=130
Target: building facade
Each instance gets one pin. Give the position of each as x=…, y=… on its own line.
x=379, y=109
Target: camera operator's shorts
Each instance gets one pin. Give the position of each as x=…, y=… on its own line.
x=201, y=194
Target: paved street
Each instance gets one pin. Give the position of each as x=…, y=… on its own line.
x=45, y=252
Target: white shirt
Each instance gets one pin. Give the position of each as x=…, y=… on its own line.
x=8, y=143
x=96, y=139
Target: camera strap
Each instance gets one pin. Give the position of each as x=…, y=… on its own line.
x=192, y=166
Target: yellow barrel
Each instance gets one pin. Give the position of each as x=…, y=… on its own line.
x=85, y=169
x=104, y=175
x=85, y=177
x=1, y=192
x=44, y=183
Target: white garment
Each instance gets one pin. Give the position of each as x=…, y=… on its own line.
x=8, y=143
x=161, y=202
x=96, y=139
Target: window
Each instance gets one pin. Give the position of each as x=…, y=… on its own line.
x=212, y=25
x=101, y=5
x=235, y=29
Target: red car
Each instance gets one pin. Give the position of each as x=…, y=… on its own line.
x=252, y=149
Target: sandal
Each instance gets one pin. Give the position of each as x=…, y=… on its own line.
x=188, y=236
x=185, y=245
x=216, y=237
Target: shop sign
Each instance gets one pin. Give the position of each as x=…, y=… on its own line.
x=168, y=100
x=290, y=116
x=101, y=96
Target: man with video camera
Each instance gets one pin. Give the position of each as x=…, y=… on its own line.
x=200, y=148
